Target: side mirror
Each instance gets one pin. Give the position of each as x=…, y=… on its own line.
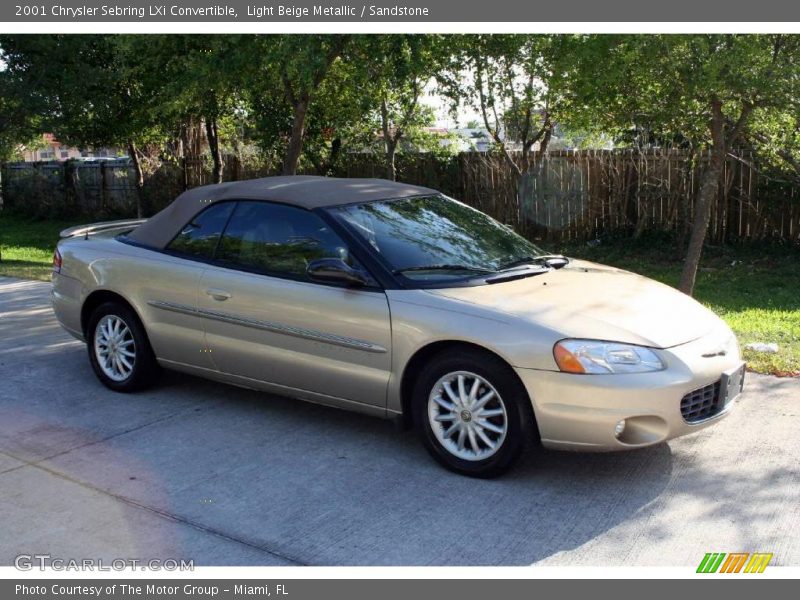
x=335, y=270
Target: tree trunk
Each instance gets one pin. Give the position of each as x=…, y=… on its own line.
x=333, y=156
x=548, y=135
x=137, y=167
x=682, y=209
x=391, y=167
x=212, y=133
x=709, y=187
x=390, y=140
x=705, y=198
x=295, y=147
x=183, y=145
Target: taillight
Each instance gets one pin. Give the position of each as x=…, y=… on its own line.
x=57, y=261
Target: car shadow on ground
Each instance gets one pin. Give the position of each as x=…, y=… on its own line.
x=316, y=485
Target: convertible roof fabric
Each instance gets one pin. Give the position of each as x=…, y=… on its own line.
x=304, y=191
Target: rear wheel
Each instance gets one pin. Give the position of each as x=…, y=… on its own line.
x=119, y=350
x=473, y=413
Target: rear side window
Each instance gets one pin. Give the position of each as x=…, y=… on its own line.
x=200, y=236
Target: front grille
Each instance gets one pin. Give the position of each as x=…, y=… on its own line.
x=702, y=403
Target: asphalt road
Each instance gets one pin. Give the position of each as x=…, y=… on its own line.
x=224, y=476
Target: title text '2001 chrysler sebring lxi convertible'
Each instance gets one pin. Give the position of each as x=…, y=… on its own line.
x=397, y=301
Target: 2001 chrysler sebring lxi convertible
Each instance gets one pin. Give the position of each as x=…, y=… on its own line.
x=397, y=301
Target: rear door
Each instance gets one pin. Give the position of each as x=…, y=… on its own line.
x=167, y=285
x=265, y=320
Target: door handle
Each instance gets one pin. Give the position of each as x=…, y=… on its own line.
x=218, y=294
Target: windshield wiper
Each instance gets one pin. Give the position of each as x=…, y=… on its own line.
x=540, y=259
x=444, y=267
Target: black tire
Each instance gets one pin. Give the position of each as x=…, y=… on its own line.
x=145, y=369
x=521, y=430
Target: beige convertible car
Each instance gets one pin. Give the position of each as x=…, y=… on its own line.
x=396, y=301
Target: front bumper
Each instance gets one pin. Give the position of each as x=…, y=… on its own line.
x=580, y=412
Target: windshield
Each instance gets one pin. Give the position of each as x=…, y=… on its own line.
x=435, y=238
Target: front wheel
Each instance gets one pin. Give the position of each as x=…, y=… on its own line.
x=119, y=350
x=473, y=413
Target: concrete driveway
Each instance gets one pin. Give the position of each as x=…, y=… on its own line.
x=225, y=476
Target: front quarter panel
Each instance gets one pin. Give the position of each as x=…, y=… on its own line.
x=420, y=318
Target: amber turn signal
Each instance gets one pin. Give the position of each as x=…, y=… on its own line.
x=566, y=360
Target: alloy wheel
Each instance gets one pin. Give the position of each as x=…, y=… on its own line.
x=114, y=348
x=467, y=416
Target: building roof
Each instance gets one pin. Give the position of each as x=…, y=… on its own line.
x=307, y=192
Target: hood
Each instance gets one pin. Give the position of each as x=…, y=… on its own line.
x=592, y=301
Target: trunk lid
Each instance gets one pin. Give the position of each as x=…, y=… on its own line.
x=104, y=228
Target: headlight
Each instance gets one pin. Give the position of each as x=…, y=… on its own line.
x=591, y=356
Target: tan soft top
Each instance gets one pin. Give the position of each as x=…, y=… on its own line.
x=304, y=191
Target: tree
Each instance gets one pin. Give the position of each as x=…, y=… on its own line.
x=518, y=85
x=297, y=66
x=18, y=113
x=397, y=70
x=203, y=77
x=93, y=90
x=709, y=89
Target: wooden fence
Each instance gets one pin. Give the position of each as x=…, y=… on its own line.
x=562, y=195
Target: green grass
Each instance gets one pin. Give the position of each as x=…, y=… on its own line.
x=26, y=246
x=756, y=290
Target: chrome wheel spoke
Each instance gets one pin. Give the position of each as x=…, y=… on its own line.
x=485, y=438
x=483, y=400
x=495, y=412
x=473, y=393
x=451, y=430
x=491, y=426
x=450, y=393
x=462, y=435
x=462, y=393
x=448, y=406
x=446, y=417
x=473, y=441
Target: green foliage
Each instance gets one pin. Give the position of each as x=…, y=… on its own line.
x=18, y=118
x=90, y=90
x=313, y=98
x=519, y=84
x=663, y=85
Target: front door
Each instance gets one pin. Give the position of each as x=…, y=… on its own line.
x=265, y=320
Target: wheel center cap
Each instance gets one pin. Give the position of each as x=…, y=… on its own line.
x=466, y=416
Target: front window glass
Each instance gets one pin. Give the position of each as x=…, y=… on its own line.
x=435, y=238
x=279, y=239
